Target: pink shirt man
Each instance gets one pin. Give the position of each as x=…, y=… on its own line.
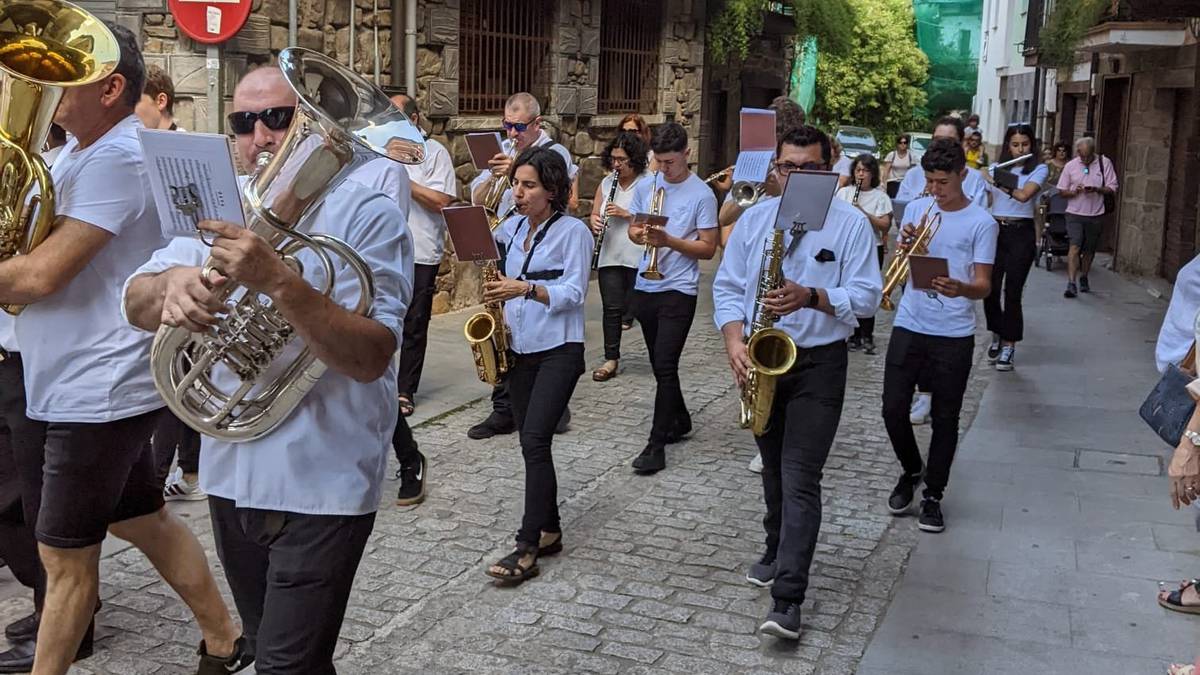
x=1099, y=173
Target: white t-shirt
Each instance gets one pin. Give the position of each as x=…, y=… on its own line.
x=966, y=237
x=8, y=332
x=1178, y=327
x=913, y=186
x=842, y=166
x=429, y=227
x=1004, y=206
x=83, y=362
x=875, y=202
x=689, y=206
x=899, y=165
x=618, y=249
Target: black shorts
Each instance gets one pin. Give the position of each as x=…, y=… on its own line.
x=95, y=475
x=1084, y=232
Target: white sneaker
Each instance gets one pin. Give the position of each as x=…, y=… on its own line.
x=180, y=489
x=922, y=405
x=756, y=465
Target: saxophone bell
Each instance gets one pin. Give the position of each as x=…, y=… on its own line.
x=488, y=334
x=772, y=352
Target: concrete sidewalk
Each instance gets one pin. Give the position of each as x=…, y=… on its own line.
x=1058, y=519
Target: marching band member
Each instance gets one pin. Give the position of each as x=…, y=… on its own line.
x=523, y=125
x=619, y=257
x=974, y=186
x=86, y=377
x=543, y=287
x=788, y=115
x=637, y=124
x=831, y=277
x=841, y=163
x=292, y=511
x=933, y=336
x=666, y=307
x=156, y=108
x=867, y=195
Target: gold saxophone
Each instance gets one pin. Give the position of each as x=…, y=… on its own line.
x=656, y=206
x=897, y=270
x=489, y=335
x=46, y=47
x=772, y=352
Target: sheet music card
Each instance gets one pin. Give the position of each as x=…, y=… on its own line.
x=924, y=269
x=192, y=178
x=757, y=145
x=805, y=201
x=483, y=146
x=470, y=233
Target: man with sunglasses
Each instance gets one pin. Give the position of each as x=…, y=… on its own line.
x=523, y=127
x=831, y=277
x=86, y=378
x=292, y=511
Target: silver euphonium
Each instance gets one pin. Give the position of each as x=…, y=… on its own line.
x=239, y=380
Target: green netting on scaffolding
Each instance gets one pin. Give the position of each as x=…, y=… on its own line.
x=803, y=85
x=948, y=33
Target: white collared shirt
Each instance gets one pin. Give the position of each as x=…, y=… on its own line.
x=851, y=279
x=689, y=206
x=330, y=455
x=913, y=186
x=429, y=227
x=618, y=249
x=1178, y=329
x=388, y=177
x=507, y=146
x=83, y=363
x=566, y=249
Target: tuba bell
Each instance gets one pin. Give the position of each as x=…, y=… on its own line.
x=46, y=47
x=239, y=379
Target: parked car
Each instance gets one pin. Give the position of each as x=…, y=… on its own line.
x=856, y=140
x=918, y=142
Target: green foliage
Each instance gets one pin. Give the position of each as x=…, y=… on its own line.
x=832, y=21
x=1065, y=27
x=740, y=21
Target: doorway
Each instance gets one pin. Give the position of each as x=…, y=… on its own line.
x=1110, y=142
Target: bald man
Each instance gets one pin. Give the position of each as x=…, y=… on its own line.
x=292, y=511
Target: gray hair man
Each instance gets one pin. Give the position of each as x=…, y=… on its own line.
x=1085, y=181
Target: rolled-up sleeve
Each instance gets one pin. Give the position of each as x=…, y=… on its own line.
x=381, y=238
x=862, y=286
x=729, y=284
x=569, y=291
x=179, y=252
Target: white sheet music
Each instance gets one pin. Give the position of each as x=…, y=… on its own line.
x=192, y=178
x=753, y=165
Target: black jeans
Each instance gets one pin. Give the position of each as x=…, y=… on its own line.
x=541, y=384
x=1015, y=251
x=804, y=421
x=416, y=329
x=945, y=362
x=171, y=435
x=403, y=443
x=866, y=326
x=616, y=299
x=666, y=319
x=290, y=574
x=21, y=442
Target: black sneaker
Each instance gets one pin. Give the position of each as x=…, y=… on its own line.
x=564, y=422
x=1084, y=287
x=1007, y=354
x=783, y=621
x=494, y=425
x=869, y=346
x=931, y=519
x=854, y=344
x=412, y=483
x=240, y=659
x=1070, y=292
x=762, y=573
x=652, y=460
x=23, y=629
x=901, y=499
x=994, y=349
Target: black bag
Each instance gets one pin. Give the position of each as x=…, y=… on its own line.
x=1169, y=406
x=1110, y=199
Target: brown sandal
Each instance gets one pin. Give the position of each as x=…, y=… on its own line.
x=604, y=373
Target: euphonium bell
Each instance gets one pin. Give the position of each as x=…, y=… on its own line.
x=46, y=47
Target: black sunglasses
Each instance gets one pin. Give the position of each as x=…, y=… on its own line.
x=275, y=119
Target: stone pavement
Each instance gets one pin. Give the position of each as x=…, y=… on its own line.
x=652, y=578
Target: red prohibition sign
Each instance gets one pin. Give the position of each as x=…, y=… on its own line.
x=210, y=21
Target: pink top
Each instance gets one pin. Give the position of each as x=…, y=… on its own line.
x=1076, y=175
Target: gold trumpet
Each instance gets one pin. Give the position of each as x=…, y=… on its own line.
x=497, y=185
x=656, y=205
x=897, y=271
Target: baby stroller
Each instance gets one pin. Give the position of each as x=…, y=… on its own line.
x=1054, y=244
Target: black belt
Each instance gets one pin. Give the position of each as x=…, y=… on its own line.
x=1014, y=222
x=804, y=355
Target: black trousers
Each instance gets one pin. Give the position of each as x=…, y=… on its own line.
x=804, y=421
x=666, y=319
x=416, y=329
x=866, y=326
x=21, y=440
x=403, y=443
x=541, y=384
x=945, y=362
x=1015, y=250
x=290, y=574
x=616, y=299
x=171, y=436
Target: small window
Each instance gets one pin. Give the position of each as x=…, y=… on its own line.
x=630, y=33
x=505, y=50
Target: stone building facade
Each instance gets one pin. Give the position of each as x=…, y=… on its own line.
x=467, y=54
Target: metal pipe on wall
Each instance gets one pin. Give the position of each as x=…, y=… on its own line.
x=410, y=48
x=293, y=22
x=375, y=31
x=353, y=35
x=397, y=45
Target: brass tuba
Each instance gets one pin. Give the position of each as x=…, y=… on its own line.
x=897, y=271
x=656, y=206
x=488, y=334
x=46, y=47
x=225, y=382
x=772, y=352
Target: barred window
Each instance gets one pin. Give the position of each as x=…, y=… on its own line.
x=505, y=49
x=630, y=33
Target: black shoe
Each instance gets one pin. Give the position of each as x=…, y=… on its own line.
x=869, y=346
x=412, y=483
x=23, y=629
x=931, y=519
x=854, y=344
x=19, y=659
x=901, y=498
x=494, y=425
x=1083, y=285
x=1070, y=292
x=783, y=621
x=240, y=659
x=680, y=431
x=652, y=460
x=994, y=349
x=564, y=422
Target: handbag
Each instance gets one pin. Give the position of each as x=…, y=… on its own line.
x=1170, y=405
x=1110, y=199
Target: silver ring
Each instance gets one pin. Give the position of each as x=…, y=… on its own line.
x=206, y=273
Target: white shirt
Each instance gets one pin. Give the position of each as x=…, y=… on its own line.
x=1004, y=206
x=966, y=237
x=389, y=177
x=329, y=457
x=851, y=279
x=507, y=146
x=689, y=206
x=429, y=227
x=875, y=202
x=1178, y=329
x=83, y=363
x=842, y=166
x=52, y=154
x=913, y=186
x=566, y=253
x=8, y=332
x=618, y=249
x=899, y=166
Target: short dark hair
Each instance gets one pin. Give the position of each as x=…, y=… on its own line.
x=1064, y=146
x=868, y=162
x=944, y=154
x=130, y=66
x=58, y=134
x=159, y=82
x=410, y=106
x=633, y=145
x=551, y=170
x=803, y=136
x=903, y=137
x=1035, y=154
x=952, y=121
x=788, y=115
x=669, y=137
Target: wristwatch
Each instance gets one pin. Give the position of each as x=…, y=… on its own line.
x=531, y=292
x=1192, y=436
x=814, y=298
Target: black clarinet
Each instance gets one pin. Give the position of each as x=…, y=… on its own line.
x=612, y=194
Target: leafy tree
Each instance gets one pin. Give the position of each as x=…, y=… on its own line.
x=740, y=21
x=1065, y=27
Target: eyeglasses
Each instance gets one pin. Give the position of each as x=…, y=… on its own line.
x=520, y=127
x=619, y=160
x=275, y=119
x=901, y=142
x=788, y=167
